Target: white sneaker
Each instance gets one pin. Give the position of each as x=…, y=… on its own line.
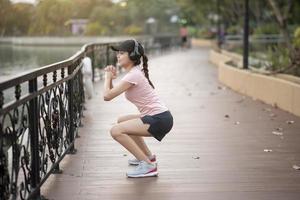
x=143, y=169
x=135, y=161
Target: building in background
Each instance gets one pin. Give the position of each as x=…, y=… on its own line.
x=77, y=26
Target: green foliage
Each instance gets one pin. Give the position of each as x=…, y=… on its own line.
x=196, y=11
x=133, y=30
x=95, y=28
x=5, y=8
x=205, y=33
x=234, y=29
x=193, y=31
x=48, y=18
x=22, y=23
x=197, y=32
x=278, y=57
x=296, y=41
x=138, y=11
x=15, y=19
x=108, y=17
x=270, y=28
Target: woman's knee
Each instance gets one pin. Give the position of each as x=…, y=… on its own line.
x=121, y=119
x=115, y=132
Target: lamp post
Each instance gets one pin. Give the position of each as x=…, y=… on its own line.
x=246, y=34
x=151, y=26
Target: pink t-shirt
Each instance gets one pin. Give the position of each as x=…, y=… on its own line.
x=141, y=94
x=183, y=31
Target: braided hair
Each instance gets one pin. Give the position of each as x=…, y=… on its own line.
x=145, y=64
x=145, y=69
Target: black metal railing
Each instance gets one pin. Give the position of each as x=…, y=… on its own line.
x=38, y=126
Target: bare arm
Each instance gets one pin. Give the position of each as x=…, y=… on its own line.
x=111, y=84
x=110, y=68
x=111, y=92
x=107, y=85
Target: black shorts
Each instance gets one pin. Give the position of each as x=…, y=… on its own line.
x=160, y=124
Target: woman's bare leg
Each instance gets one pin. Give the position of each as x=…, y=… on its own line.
x=128, y=117
x=137, y=139
x=141, y=143
x=121, y=131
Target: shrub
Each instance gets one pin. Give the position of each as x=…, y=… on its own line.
x=95, y=28
x=205, y=33
x=271, y=28
x=278, y=58
x=296, y=41
x=233, y=30
x=133, y=30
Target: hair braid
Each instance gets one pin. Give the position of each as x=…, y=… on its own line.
x=145, y=69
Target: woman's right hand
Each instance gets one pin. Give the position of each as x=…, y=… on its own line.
x=112, y=69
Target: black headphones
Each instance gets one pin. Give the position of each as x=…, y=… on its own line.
x=135, y=54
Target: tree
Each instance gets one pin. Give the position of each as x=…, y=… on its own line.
x=95, y=28
x=5, y=10
x=50, y=17
x=21, y=19
x=281, y=18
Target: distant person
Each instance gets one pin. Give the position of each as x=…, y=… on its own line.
x=154, y=120
x=87, y=72
x=222, y=34
x=184, y=36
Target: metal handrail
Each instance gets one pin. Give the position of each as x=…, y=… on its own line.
x=38, y=128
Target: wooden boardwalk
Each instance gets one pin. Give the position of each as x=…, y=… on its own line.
x=214, y=151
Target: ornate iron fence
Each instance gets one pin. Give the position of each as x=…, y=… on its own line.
x=38, y=127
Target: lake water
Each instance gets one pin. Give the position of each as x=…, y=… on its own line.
x=18, y=59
